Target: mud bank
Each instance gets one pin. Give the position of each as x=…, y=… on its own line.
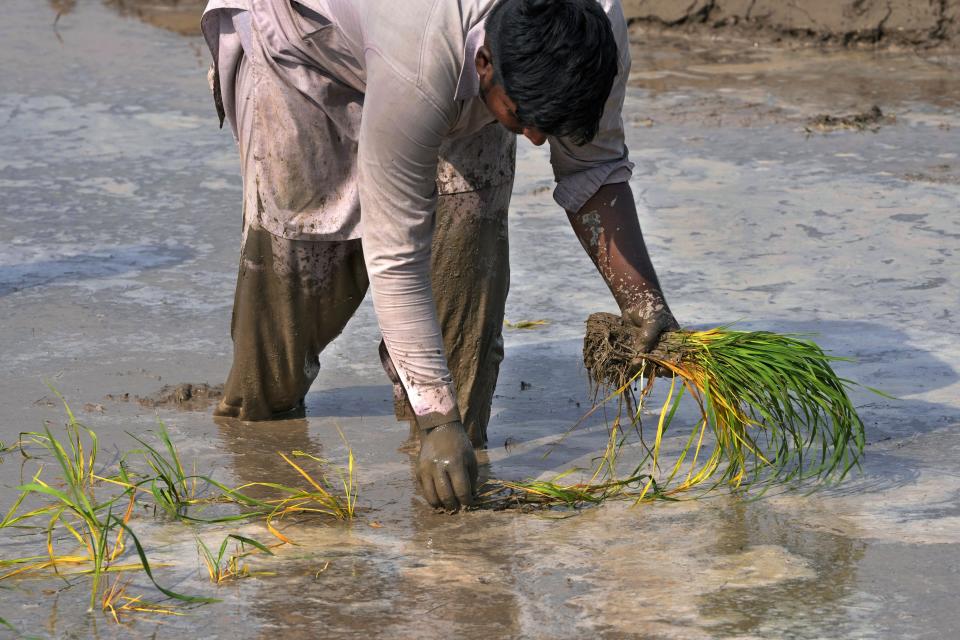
x=913, y=22
x=179, y=16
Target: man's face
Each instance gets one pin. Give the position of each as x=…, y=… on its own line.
x=499, y=104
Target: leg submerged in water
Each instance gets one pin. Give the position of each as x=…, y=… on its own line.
x=293, y=297
x=471, y=277
x=470, y=271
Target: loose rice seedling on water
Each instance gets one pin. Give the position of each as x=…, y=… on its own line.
x=771, y=410
x=220, y=571
x=116, y=602
x=72, y=507
x=525, y=324
x=174, y=491
x=76, y=511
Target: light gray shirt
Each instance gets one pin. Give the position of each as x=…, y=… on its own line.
x=414, y=63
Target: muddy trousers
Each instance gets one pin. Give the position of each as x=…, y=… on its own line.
x=294, y=297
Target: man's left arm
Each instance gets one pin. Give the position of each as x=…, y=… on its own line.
x=609, y=230
x=593, y=187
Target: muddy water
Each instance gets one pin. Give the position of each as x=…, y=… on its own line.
x=120, y=224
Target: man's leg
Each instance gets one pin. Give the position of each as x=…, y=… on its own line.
x=293, y=297
x=471, y=276
x=294, y=293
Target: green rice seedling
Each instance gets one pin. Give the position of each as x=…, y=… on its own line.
x=771, y=410
x=320, y=498
x=348, y=499
x=603, y=484
x=73, y=508
x=6, y=448
x=172, y=489
x=77, y=509
x=220, y=570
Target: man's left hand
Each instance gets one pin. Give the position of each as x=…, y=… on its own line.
x=652, y=320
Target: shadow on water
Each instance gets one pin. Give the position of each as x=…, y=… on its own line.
x=741, y=567
x=883, y=357
x=715, y=568
x=543, y=391
x=741, y=608
x=99, y=263
x=357, y=401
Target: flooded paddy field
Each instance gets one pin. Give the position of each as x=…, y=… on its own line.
x=120, y=224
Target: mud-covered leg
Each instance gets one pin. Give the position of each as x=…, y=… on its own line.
x=471, y=277
x=470, y=271
x=293, y=297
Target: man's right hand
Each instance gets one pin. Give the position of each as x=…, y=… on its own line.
x=447, y=467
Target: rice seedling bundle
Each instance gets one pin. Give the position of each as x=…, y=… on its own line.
x=770, y=409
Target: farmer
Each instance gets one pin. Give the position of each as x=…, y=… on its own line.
x=371, y=156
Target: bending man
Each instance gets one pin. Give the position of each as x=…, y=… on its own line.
x=377, y=145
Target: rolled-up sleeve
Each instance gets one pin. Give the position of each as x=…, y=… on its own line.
x=400, y=135
x=581, y=170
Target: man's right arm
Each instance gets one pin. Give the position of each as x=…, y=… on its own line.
x=400, y=135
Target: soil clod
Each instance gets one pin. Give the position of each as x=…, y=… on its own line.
x=186, y=396
x=870, y=120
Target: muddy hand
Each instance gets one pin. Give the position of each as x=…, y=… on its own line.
x=651, y=320
x=447, y=467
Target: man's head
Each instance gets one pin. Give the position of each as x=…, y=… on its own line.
x=547, y=67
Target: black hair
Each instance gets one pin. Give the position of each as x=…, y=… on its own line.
x=557, y=60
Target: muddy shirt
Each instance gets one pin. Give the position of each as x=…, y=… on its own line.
x=413, y=64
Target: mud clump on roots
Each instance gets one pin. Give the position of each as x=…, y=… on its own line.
x=612, y=351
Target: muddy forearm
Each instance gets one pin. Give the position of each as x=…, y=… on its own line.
x=609, y=230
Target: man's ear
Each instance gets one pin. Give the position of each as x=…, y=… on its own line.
x=484, y=62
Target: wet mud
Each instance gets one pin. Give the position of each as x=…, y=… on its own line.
x=183, y=397
x=870, y=120
x=739, y=82
x=841, y=21
x=114, y=155
x=179, y=16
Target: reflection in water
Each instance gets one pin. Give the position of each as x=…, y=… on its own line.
x=179, y=16
x=819, y=598
x=63, y=6
x=419, y=573
x=254, y=449
x=709, y=570
x=416, y=573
